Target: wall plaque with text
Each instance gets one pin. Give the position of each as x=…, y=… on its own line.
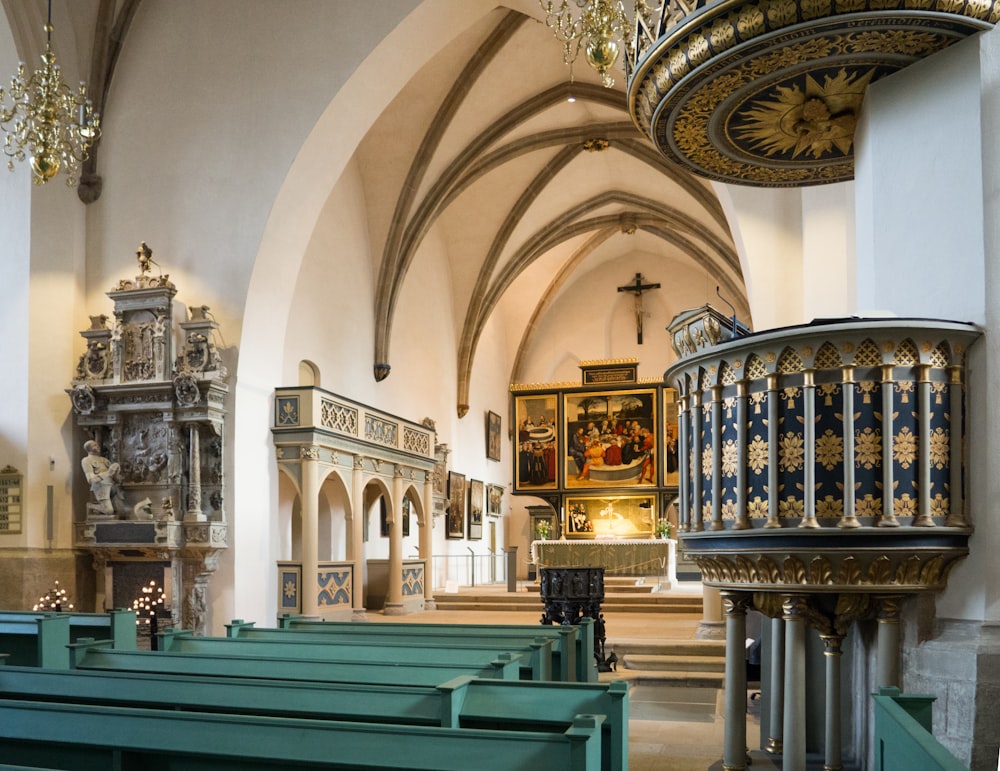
x=11, y=482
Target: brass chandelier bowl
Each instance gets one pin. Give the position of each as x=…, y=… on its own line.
x=768, y=92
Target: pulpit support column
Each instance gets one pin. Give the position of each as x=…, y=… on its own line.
x=794, y=751
x=734, y=752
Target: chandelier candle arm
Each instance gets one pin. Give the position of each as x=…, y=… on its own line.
x=47, y=121
x=600, y=29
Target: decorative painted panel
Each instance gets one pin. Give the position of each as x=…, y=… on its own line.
x=289, y=588
x=334, y=585
x=413, y=580
x=286, y=411
x=829, y=443
x=791, y=442
x=758, y=409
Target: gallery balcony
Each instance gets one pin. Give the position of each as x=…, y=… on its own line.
x=776, y=86
x=825, y=458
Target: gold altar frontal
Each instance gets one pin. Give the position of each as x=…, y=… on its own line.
x=622, y=556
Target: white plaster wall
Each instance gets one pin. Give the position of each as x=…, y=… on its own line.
x=919, y=190
x=927, y=246
x=828, y=245
x=15, y=259
x=973, y=591
x=767, y=229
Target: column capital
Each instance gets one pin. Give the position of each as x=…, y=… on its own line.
x=736, y=603
x=888, y=608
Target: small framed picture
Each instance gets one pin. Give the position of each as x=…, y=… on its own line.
x=492, y=436
x=456, y=505
x=477, y=502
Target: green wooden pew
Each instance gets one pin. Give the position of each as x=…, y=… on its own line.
x=464, y=702
x=537, y=661
x=82, y=737
x=95, y=655
x=40, y=639
x=573, y=651
x=545, y=652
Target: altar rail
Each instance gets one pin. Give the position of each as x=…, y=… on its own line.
x=622, y=557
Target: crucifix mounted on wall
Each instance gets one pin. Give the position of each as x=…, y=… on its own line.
x=637, y=288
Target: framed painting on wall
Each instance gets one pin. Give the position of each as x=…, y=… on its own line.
x=456, y=505
x=494, y=499
x=611, y=439
x=492, y=436
x=617, y=516
x=670, y=434
x=536, y=465
x=477, y=502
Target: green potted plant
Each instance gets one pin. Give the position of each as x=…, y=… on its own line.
x=542, y=530
x=662, y=528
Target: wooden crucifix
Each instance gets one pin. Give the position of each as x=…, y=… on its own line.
x=637, y=288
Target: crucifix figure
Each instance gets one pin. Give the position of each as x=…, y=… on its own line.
x=637, y=288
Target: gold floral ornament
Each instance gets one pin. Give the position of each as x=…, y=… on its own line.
x=729, y=458
x=790, y=452
x=904, y=447
x=939, y=448
x=868, y=448
x=829, y=450
x=790, y=507
x=757, y=509
x=830, y=507
x=757, y=454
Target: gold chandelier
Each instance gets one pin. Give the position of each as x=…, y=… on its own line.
x=599, y=29
x=47, y=121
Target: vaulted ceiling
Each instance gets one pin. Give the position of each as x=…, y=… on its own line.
x=534, y=177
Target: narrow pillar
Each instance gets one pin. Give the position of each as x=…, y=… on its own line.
x=794, y=750
x=956, y=505
x=684, y=477
x=715, y=434
x=809, y=440
x=357, y=542
x=426, y=524
x=888, y=518
x=696, y=479
x=742, y=522
x=850, y=519
x=888, y=641
x=923, y=518
x=310, y=530
x=394, y=597
x=772, y=452
x=776, y=692
x=194, y=512
x=832, y=655
x=734, y=749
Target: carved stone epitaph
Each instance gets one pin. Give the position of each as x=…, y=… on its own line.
x=152, y=423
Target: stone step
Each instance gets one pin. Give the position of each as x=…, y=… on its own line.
x=657, y=663
x=685, y=679
x=628, y=646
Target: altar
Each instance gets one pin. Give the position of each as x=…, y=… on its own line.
x=646, y=557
